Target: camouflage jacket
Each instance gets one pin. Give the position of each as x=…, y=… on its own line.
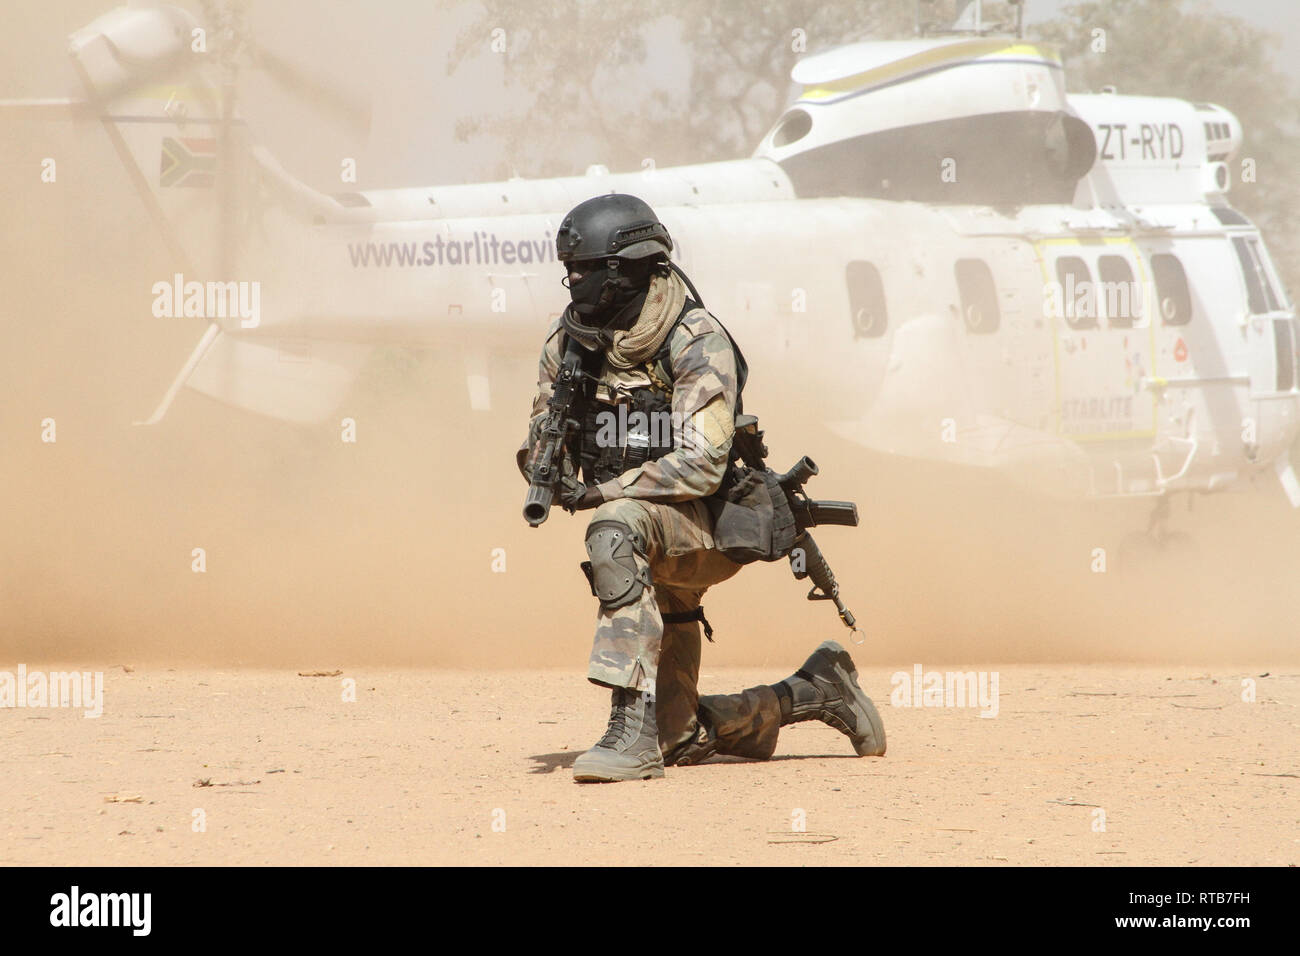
x=704, y=392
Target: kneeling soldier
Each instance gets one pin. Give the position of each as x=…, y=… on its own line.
x=657, y=407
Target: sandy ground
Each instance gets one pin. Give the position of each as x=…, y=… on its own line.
x=457, y=767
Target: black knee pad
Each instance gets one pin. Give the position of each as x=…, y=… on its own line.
x=612, y=570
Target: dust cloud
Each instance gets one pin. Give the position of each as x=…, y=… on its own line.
x=322, y=553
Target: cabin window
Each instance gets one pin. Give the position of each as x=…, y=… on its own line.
x=793, y=127
x=866, y=300
x=1121, y=296
x=979, y=296
x=1078, y=296
x=1172, y=294
x=1286, y=352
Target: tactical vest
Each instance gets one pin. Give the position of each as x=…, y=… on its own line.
x=618, y=435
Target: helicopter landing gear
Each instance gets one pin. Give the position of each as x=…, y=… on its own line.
x=1157, y=540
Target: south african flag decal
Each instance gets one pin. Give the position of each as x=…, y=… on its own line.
x=187, y=162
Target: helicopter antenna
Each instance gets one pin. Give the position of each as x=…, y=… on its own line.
x=969, y=19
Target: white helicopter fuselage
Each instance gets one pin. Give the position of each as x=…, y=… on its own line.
x=1204, y=401
x=979, y=269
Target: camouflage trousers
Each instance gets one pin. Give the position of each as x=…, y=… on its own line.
x=634, y=648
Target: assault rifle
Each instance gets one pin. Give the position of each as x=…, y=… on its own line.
x=806, y=559
x=545, y=458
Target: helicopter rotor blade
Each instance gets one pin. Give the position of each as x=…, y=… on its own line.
x=342, y=106
x=45, y=109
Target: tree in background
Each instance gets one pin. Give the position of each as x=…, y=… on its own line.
x=591, y=93
x=582, y=70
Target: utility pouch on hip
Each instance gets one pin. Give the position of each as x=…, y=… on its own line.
x=752, y=520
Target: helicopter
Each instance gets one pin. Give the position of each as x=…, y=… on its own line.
x=1050, y=286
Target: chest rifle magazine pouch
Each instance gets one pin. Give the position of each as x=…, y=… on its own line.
x=752, y=520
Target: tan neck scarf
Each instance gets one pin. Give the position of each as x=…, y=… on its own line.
x=663, y=303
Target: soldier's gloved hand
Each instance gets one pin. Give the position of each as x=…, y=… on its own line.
x=578, y=497
x=574, y=495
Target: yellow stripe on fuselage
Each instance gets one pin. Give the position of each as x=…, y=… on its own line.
x=971, y=50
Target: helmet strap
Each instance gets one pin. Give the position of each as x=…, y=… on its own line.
x=610, y=287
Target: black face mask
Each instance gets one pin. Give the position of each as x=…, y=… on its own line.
x=598, y=301
x=587, y=293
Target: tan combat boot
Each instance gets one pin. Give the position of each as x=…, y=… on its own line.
x=826, y=689
x=630, y=748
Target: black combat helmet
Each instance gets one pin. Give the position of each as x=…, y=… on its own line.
x=613, y=225
x=622, y=234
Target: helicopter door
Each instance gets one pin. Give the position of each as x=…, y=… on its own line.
x=1102, y=337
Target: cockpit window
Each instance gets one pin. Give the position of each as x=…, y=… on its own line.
x=1261, y=258
x=1260, y=295
x=1250, y=272
x=1284, y=342
x=793, y=127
